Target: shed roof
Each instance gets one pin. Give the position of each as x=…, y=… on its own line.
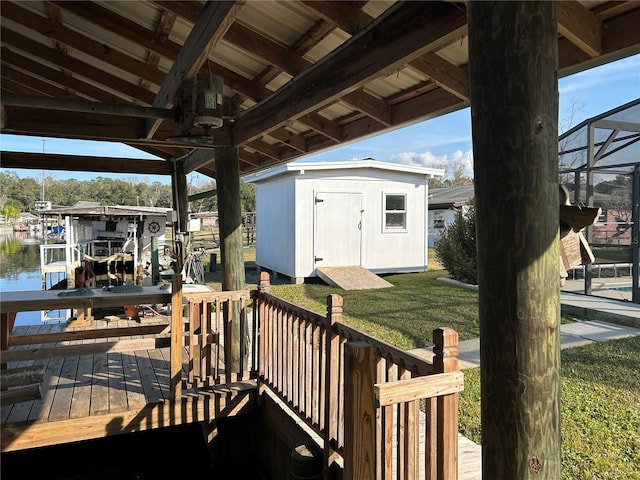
x=302, y=167
x=299, y=77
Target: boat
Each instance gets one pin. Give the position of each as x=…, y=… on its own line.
x=104, y=247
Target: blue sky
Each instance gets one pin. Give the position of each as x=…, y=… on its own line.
x=438, y=142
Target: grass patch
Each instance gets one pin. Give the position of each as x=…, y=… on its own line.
x=404, y=315
x=600, y=410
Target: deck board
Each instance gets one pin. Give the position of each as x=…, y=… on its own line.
x=95, y=395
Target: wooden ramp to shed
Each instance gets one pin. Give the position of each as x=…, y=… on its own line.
x=353, y=277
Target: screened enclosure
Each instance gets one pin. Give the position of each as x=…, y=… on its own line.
x=599, y=163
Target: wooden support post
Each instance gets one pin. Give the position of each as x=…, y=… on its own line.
x=513, y=69
x=332, y=377
x=446, y=360
x=181, y=205
x=155, y=261
x=175, y=385
x=359, y=412
x=259, y=324
x=231, y=252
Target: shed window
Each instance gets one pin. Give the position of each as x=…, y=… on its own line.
x=395, y=212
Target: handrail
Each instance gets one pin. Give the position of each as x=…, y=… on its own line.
x=303, y=359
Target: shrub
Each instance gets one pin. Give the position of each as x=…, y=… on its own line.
x=456, y=247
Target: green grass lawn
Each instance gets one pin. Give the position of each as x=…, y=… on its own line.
x=404, y=315
x=600, y=382
x=600, y=408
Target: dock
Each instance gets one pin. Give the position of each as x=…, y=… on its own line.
x=86, y=395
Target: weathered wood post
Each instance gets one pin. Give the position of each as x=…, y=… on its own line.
x=359, y=412
x=175, y=383
x=232, y=260
x=445, y=360
x=513, y=63
x=259, y=319
x=332, y=377
x=181, y=206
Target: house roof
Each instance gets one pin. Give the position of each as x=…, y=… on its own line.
x=302, y=167
x=299, y=77
x=448, y=197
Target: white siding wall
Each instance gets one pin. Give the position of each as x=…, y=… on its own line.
x=275, y=225
x=285, y=207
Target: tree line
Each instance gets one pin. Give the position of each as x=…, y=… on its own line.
x=19, y=194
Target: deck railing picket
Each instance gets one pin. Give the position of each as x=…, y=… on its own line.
x=309, y=372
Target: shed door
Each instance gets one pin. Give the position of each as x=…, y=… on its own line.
x=338, y=229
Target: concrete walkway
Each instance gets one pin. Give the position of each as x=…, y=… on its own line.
x=607, y=319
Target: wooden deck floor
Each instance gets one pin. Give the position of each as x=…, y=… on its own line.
x=102, y=394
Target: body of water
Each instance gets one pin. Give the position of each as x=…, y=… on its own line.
x=20, y=269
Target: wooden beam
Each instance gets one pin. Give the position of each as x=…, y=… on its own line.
x=444, y=74
x=20, y=376
x=56, y=77
x=75, y=335
x=250, y=158
x=33, y=85
x=84, y=349
x=122, y=26
x=369, y=105
x=580, y=26
x=81, y=42
x=287, y=137
x=267, y=50
x=212, y=24
x=30, y=392
x=202, y=408
x=197, y=158
x=399, y=391
x=86, y=106
x=265, y=148
x=348, y=16
x=97, y=127
x=404, y=32
x=323, y=126
x=39, y=161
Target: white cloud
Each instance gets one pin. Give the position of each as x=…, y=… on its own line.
x=428, y=159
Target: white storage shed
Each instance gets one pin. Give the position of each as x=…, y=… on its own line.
x=331, y=214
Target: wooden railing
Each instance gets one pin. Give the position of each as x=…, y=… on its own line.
x=307, y=360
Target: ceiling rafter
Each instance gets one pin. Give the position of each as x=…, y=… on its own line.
x=81, y=42
x=78, y=67
x=446, y=75
x=395, y=37
x=289, y=138
x=212, y=24
x=265, y=149
x=57, y=77
x=580, y=26
x=347, y=95
x=34, y=85
x=348, y=16
x=153, y=41
x=371, y=106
